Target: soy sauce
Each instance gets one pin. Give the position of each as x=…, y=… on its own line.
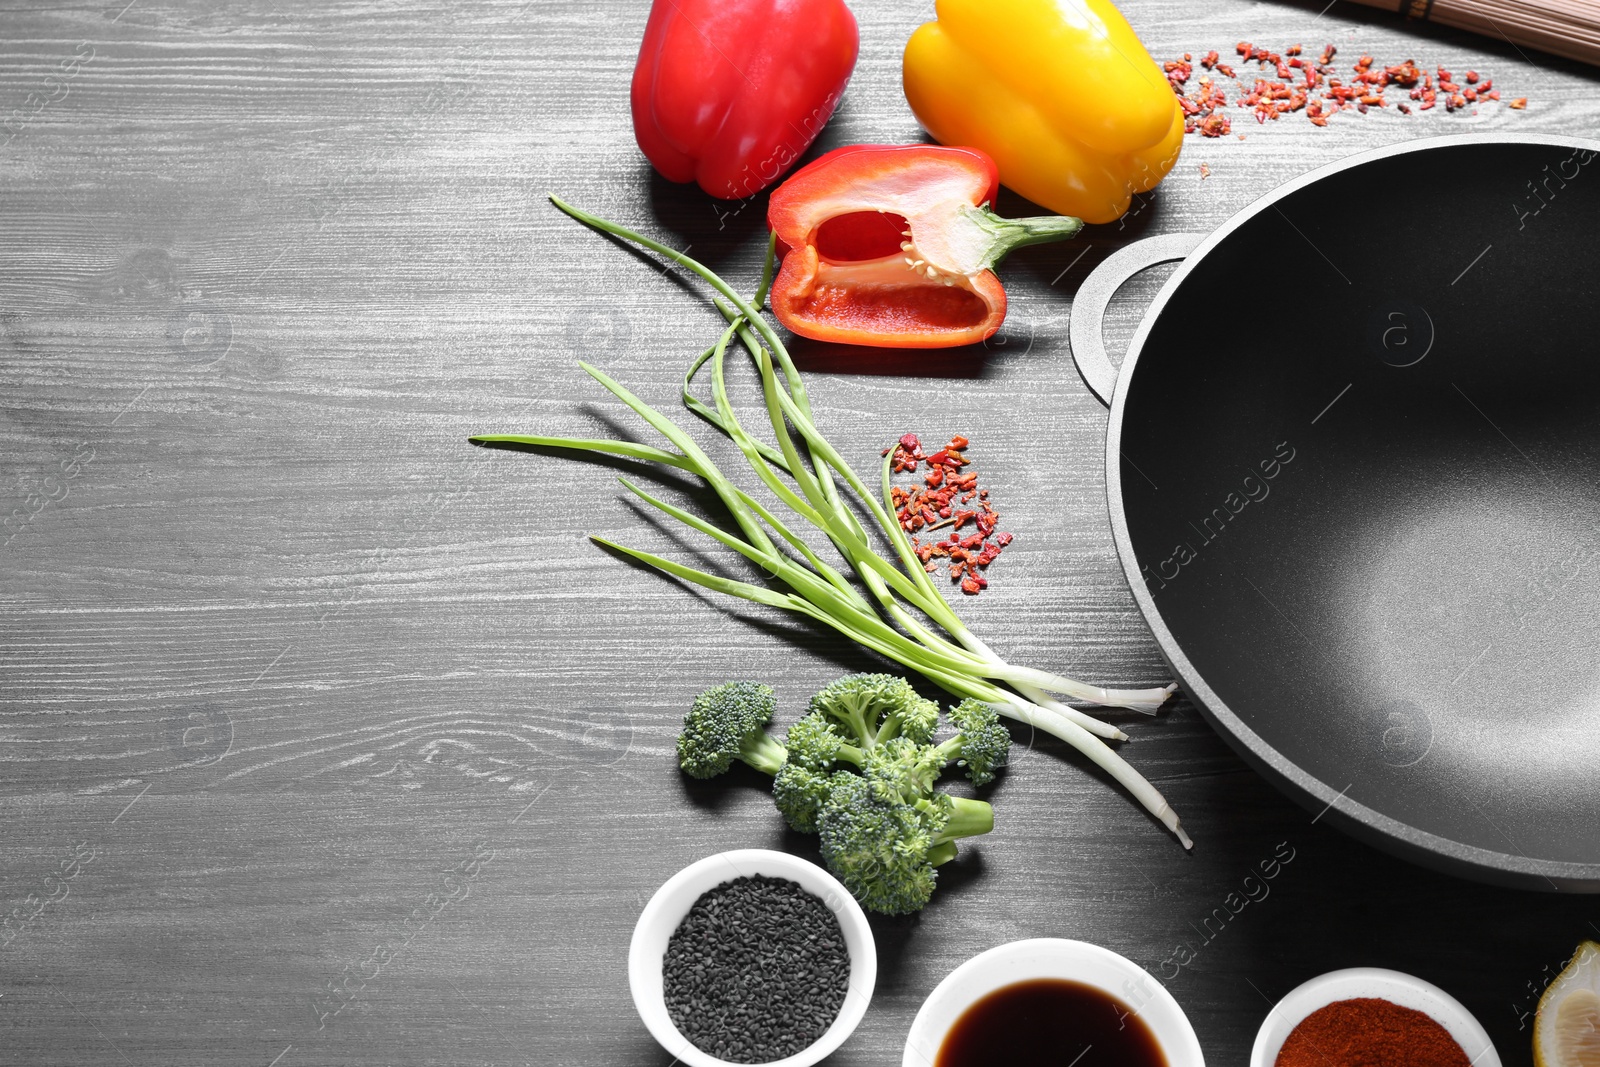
x=1050, y=1022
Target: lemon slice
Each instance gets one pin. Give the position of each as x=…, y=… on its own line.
x=1566, y=1030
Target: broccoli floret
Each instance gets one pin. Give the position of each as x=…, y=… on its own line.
x=877, y=707
x=916, y=721
x=902, y=770
x=728, y=722
x=816, y=742
x=879, y=851
x=885, y=851
x=860, y=770
x=799, y=793
x=983, y=745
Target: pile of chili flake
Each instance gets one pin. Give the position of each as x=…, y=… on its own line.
x=947, y=498
x=1315, y=87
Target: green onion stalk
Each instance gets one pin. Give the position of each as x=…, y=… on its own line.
x=896, y=610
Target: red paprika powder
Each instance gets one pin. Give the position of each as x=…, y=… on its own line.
x=1369, y=1032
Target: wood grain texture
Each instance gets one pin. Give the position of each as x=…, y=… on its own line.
x=289, y=673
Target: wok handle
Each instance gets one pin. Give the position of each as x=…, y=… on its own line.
x=1085, y=330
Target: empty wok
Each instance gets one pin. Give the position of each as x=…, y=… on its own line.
x=1353, y=472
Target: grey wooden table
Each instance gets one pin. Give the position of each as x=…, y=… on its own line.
x=326, y=738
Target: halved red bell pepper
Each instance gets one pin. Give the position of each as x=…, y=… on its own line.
x=892, y=245
x=730, y=93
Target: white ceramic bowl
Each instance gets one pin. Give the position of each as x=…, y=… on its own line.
x=674, y=899
x=1393, y=986
x=1050, y=957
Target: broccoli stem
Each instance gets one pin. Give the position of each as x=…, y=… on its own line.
x=856, y=723
x=763, y=752
x=891, y=726
x=949, y=750
x=968, y=818
x=942, y=853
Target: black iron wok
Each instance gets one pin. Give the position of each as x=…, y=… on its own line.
x=1353, y=470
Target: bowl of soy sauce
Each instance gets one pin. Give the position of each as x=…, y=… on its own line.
x=1050, y=1001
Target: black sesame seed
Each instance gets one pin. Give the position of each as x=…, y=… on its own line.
x=757, y=970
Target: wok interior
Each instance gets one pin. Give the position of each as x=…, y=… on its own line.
x=1361, y=468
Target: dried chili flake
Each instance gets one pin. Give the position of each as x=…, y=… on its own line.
x=938, y=501
x=1406, y=74
x=1315, y=87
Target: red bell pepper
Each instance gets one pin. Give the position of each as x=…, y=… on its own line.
x=892, y=245
x=730, y=93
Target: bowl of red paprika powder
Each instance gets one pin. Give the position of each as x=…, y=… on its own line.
x=1371, y=1015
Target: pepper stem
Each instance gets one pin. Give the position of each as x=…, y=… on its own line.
x=1008, y=234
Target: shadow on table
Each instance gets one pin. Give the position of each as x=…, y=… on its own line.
x=711, y=230
x=826, y=357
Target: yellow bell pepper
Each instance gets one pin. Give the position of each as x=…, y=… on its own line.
x=1060, y=92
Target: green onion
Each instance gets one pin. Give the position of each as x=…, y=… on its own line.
x=896, y=610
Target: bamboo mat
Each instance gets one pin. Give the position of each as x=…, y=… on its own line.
x=1568, y=28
